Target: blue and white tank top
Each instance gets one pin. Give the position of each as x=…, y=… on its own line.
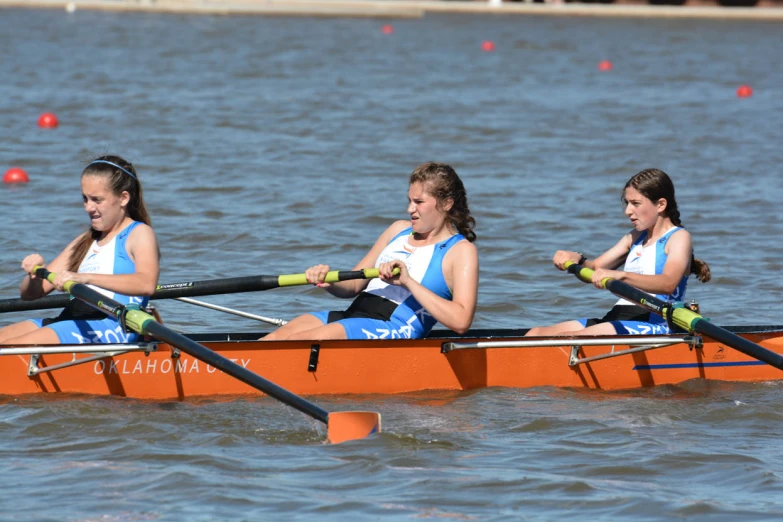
x=424, y=264
x=650, y=260
x=112, y=258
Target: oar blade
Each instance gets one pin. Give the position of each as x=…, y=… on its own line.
x=352, y=425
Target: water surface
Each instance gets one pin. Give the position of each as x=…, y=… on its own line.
x=266, y=145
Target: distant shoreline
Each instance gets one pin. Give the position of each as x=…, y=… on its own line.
x=400, y=8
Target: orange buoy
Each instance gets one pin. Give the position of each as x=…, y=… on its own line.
x=15, y=175
x=744, y=91
x=487, y=46
x=387, y=29
x=604, y=65
x=47, y=120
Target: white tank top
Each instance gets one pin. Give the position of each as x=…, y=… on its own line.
x=650, y=260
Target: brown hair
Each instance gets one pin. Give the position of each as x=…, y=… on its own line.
x=655, y=184
x=121, y=177
x=443, y=184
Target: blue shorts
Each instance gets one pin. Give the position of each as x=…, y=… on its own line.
x=364, y=328
x=634, y=327
x=89, y=331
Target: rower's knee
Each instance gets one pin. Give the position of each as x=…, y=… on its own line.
x=534, y=332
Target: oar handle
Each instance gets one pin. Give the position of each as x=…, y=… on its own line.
x=333, y=276
x=583, y=273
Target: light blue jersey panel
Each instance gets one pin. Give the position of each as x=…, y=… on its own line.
x=113, y=258
x=650, y=260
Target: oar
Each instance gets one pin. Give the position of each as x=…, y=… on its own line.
x=341, y=426
x=681, y=316
x=232, y=285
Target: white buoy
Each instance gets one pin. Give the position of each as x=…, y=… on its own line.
x=70, y=7
x=495, y=3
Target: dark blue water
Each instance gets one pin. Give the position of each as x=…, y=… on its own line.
x=266, y=145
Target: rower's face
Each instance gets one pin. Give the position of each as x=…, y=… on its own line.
x=105, y=208
x=642, y=212
x=423, y=209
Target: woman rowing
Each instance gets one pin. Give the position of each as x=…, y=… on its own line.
x=657, y=256
x=438, y=271
x=118, y=255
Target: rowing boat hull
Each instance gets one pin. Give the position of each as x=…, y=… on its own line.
x=389, y=366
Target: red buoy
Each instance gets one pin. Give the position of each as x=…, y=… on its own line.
x=604, y=65
x=47, y=120
x=744, y=91
x=387, y=29
x=15, y=175
x=488, y=46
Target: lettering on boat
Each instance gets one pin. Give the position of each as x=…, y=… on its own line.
x=152, y=366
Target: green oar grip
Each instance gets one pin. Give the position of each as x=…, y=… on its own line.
x=584, y=274
x=42, y=273
x=333, y=276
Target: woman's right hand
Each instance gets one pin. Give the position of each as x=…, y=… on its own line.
x=30, y=262
x=316, y=274
x=562, y=256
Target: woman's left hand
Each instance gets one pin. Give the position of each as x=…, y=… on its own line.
x=65, y=276
x=386, y=271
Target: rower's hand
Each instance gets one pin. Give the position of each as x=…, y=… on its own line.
x=30, y=262
x=386, y=273
x=563, y=256
x=599, y=274
x=65, y=276
x=316, y=274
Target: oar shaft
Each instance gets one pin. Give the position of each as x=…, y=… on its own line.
x=145, y=324
x=682, y=317
x=206, y=355
x=233, y=285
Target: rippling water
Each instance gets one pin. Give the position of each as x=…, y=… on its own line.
x=267, y=145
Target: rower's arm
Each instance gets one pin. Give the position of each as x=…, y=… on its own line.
x=455, y=314
x=34, y=287
x=614, y=257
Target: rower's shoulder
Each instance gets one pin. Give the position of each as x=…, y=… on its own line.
x=142, y=232
x=464, y=247
x=681, y=237
x=681, y=232
x=397, y=227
